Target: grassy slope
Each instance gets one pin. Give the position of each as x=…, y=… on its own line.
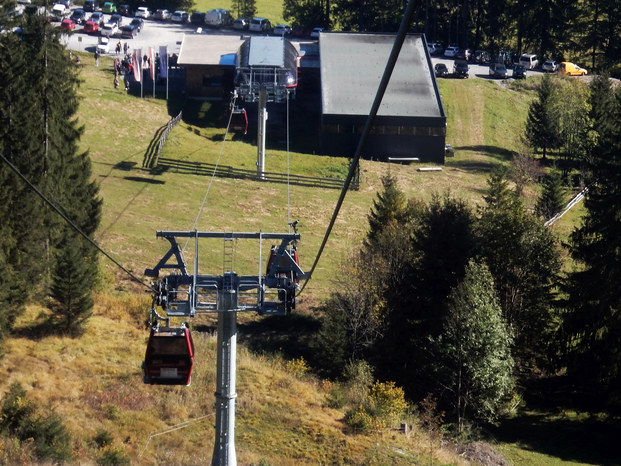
x=99, y=373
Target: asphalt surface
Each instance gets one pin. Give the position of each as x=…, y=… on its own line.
x=157, y=33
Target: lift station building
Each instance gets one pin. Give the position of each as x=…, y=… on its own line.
x=410, y=123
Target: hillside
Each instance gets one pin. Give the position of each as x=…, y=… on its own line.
x=283, y=417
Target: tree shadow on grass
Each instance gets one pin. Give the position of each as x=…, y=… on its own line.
x=290, y=335
x=563, y=423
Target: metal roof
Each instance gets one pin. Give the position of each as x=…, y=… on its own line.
x=202, y=49
x=266, y=51
x=352, y=65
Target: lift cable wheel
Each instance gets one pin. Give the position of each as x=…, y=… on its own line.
x=390, y=66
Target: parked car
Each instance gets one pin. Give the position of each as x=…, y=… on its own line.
x=281, y=30
x=529, y=60
x=460, y=68
x=441, y=70
x=108, y=7
x=161, y=15
x=143, y=12
x=103, y=46
x=78, y=16
x=90, y=27
x=90, y=5
x=498, y=70
x=571, y=69
x=124, y=10
x=519, y=72
x=197, y=18
x=550, y=66
x=179, y=16
x=314, y=34
x=451, y=51
x=481, y=56
x=67, y=24
x=434, y=48
x=138, y=23
x=260, y=25
x=240, y=24
x=464, y=54
x=299, y=31
x=218, y=17
x=59, y=11
x=128, y=31
x=97, y=17
x=109, y=29
x=116, y=18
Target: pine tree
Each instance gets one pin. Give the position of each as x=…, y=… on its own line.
x=541, y=130
x=523, y=257
x=389, y=209
x=552, y=198
x=474, y=364
x=593, y=319
x=72, y=284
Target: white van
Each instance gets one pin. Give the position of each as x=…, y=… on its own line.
x=529, y=61
x=218, y=18
x=59, y=11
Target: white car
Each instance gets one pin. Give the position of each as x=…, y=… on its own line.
x=103, y=46
x=281, y=30
x=451, y=51
x=179, y=16
x=143, y=12
x=109, y=29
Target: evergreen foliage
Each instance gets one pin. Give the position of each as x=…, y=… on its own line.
x=244, y=8
x=593, y=320
x=541, y=128
x=39, y=134
x=474, y=365
x=552, y=198
x=524, y=259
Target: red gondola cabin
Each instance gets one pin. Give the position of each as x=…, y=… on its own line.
x=169, y=357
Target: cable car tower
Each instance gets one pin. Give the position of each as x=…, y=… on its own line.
x=267, y=71
x=184, y=294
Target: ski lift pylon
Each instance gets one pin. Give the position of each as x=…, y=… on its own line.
x=169, y=357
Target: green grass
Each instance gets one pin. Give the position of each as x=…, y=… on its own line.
x=270, y=9
x=99, y=373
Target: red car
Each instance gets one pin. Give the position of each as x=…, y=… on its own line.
x=67, y=25
x=91, y=26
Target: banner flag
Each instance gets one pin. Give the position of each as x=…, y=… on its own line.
x=164, y=61
x=152, y=63
x=137, y=63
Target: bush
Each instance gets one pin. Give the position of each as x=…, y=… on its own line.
x=48, y=433
x=297, y=367
x=112, y=456
x=387, y=401
x=102, y=438
x=359, y=419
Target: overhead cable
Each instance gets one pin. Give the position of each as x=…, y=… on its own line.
x=390, y=65
x=71, y=223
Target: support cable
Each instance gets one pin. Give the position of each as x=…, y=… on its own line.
x=213, y=175
x=183, y=425
x=71, y=223
x=288, y=171
x=390, y=65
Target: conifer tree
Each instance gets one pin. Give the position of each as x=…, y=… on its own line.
x=552, y=198
x=389, y=209
x=541, y=129
x=593, y=320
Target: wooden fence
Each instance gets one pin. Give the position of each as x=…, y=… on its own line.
x=223, y=171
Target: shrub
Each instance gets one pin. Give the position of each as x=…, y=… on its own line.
x=102, y=438
x=359, y=419
x=298, y=367
x=112, y=456
x=387, y=401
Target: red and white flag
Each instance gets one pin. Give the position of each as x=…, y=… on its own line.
x=137, y=61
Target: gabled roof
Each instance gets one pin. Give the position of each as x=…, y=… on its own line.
x=352, y=65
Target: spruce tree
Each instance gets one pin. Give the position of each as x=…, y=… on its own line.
x=593, y=319
x=541, y=130
x=389, y=209
x=552, y=198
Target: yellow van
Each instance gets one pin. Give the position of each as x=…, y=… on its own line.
x=571, y=69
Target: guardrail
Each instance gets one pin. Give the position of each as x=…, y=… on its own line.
x=223, y=171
